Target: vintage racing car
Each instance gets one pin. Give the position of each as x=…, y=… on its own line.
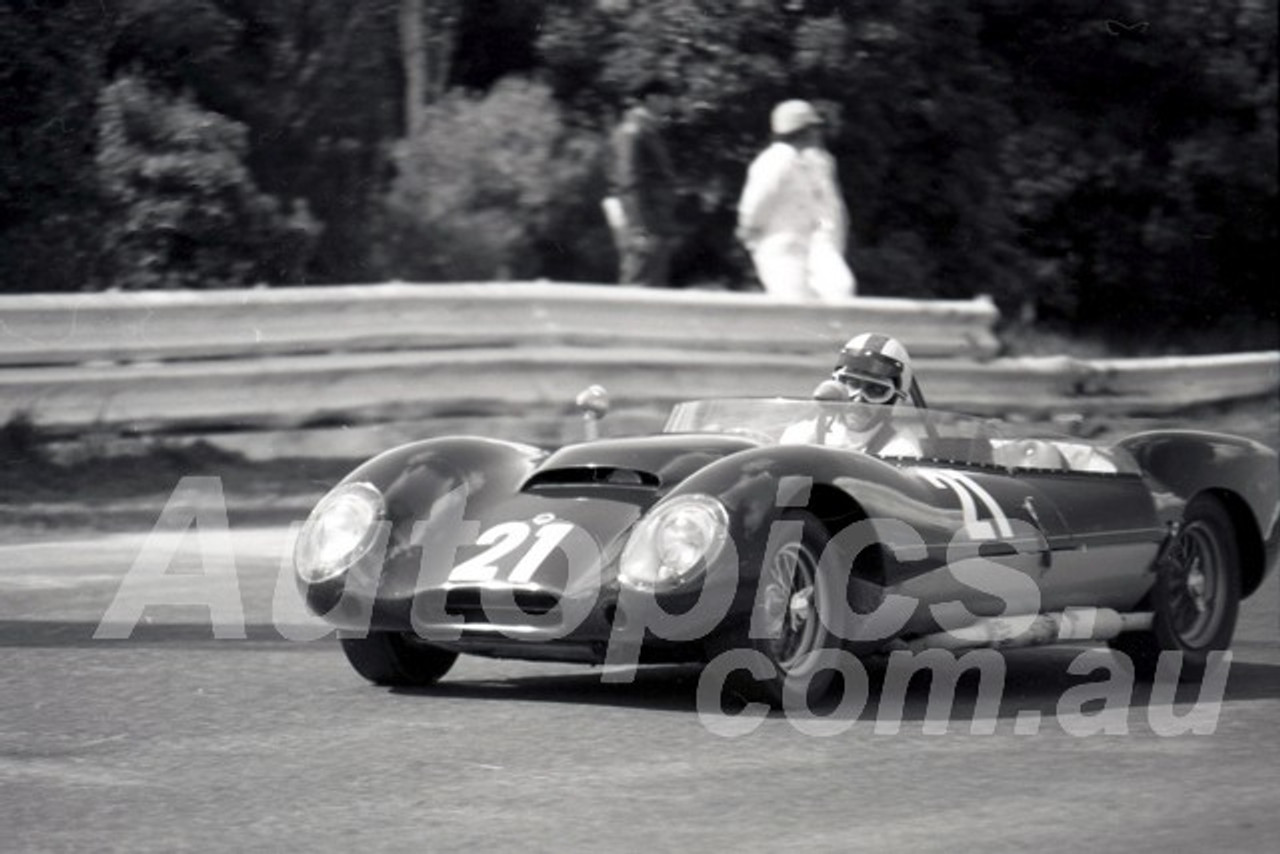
x=720, y=533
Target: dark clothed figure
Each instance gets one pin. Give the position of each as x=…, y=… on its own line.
x=641, y=208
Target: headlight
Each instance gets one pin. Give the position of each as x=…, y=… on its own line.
x=675, y=542
x=338, y=532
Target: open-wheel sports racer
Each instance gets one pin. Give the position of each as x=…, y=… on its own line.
x=860, y=519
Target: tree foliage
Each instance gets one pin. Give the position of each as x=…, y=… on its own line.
x=316, y=85
x=1088, y=167
x=486, y=186
x=183, y=210
x=1142, y=167
x=51, y=69
x=1086, y=163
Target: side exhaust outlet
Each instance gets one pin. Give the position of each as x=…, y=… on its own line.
x=1073, y=624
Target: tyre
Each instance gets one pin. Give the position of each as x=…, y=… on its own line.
x=397, y=659
x=791, y=596
x=1196, y=596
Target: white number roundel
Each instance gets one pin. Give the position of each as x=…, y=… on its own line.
x=504, y=540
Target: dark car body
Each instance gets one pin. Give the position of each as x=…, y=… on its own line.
x=505, y=549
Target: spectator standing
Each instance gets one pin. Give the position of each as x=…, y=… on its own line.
x=641, y=207
x=791, y=216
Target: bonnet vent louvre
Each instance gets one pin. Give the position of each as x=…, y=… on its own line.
x=579, y=476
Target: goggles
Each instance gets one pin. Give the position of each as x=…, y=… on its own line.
x=865, y=390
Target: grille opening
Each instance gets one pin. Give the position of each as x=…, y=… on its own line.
x=468, y=603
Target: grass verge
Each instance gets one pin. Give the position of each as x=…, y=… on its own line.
x=53, y=486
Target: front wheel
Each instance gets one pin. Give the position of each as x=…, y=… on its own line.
x=1196, y=597
x=398, y=659
x=786, y=625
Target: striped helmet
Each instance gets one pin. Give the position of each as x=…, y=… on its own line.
x=872, y=360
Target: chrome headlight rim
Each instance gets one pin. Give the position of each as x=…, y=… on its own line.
x=310, y=564
x=641, y=566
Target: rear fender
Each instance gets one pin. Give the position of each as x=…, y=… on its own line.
x=1243, y=474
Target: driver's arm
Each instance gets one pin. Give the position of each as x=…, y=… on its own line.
x=801, y=433
x=901, y=444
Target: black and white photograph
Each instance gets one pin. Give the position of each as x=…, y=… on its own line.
x=639, y=425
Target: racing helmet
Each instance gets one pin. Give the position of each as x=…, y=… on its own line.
x=875, y=368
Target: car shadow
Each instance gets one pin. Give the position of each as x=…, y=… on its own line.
x=1035, y=681
x=32, y=634
x=671, y=688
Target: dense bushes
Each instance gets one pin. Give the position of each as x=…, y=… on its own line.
x=491, y=188
x=182, y=209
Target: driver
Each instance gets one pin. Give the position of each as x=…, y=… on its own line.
x=872, y=369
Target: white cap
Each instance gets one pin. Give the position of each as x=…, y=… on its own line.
x=791, y=116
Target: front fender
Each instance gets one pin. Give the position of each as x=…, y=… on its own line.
x=447, y=478
x=757, y=485
x=760, y=485
x=413, y=478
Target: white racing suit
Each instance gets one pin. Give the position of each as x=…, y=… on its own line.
x=793, y=220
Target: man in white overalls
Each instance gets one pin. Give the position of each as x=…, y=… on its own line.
x=791, y=216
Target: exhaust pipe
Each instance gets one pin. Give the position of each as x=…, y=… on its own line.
x=1073, y=624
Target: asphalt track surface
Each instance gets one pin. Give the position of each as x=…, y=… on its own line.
x=173, y=740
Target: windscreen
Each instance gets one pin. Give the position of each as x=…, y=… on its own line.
x=897, y=432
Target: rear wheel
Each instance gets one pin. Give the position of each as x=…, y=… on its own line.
x=1196, y=597
x=397, y=659
x=790, y=599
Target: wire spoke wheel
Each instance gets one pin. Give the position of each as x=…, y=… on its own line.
x=1197, y=567
x=1196, y=596
x=786, y=626
x=791, y=596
